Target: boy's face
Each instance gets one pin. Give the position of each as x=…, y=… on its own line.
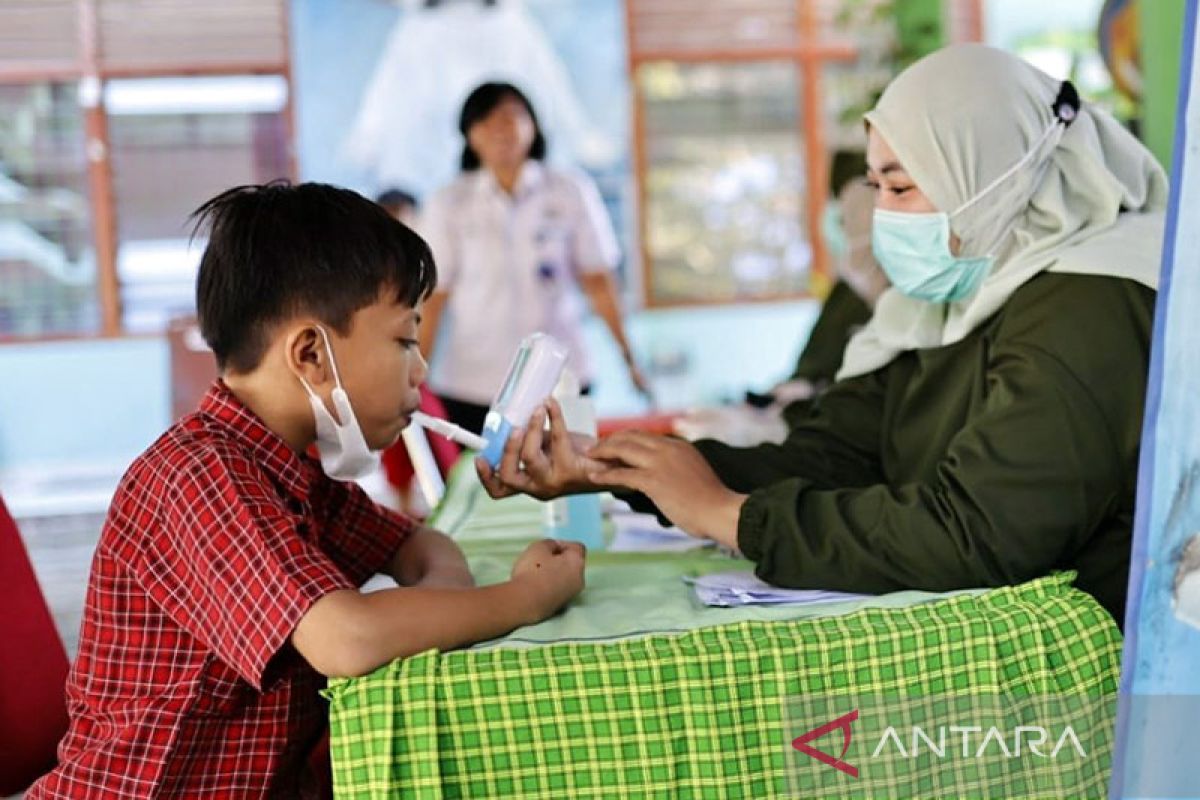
x=381, y=368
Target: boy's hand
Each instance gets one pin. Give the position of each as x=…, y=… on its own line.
x=552, y=573
x=673, y=474
x=542, y=465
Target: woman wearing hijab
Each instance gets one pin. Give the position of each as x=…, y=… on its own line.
x=513, y=238
x=984, y=427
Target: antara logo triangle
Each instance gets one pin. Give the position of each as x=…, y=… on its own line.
x=801, y=743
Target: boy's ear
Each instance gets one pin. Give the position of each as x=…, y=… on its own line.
x=306, y=356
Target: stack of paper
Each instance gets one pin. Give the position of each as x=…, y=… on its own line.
x=744, y=589
x=641, y=533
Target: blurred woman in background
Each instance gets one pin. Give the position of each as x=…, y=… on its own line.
x=515, y=240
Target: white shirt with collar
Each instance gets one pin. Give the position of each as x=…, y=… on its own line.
x=510, y=264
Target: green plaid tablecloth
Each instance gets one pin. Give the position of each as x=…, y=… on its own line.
x=699, y=713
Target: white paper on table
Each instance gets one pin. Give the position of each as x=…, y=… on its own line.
x=739, y=588
x=641, y=533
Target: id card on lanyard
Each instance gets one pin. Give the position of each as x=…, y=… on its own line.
x=552, y=248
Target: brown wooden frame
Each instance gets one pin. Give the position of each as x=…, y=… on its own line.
x=97, y=146
x=809, y=56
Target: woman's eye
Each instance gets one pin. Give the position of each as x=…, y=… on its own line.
x=898, y=190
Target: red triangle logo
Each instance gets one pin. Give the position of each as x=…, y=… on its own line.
x=801, y=743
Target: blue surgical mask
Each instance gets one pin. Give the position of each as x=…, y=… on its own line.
x=832, y=230
x=914, y=251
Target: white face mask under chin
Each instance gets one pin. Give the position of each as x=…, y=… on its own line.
x=344, y=453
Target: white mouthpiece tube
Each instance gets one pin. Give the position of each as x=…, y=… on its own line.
x=451, y=431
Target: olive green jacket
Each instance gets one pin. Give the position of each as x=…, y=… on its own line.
x=842, y=313
x=990, y=461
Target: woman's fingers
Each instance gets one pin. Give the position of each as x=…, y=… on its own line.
x=491, y=481
x=536, y=465
x=638, y=480
x=637, y=450
x=560, y=438
x=510, y=463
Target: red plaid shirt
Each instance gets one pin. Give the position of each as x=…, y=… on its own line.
x=219, y=539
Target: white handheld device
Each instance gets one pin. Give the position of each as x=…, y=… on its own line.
x=534, y=371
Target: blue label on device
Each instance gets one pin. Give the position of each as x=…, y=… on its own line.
x=496, y=437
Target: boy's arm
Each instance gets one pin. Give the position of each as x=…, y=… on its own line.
x=347, y=633
x=430, y=558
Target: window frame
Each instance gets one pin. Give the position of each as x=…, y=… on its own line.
x=91, y=74
x=809, y=56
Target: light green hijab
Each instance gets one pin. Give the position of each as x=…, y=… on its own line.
x=969, y=118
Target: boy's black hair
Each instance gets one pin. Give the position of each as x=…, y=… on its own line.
x=278, y=250
x=479, y=104
x=396, y=197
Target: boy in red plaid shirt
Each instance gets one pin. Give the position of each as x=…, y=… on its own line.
x=225, y=585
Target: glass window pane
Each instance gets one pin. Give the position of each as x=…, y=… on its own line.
x=851, y=88
x=176, y=142
x=849, y=91
x=725, y=181
x=47, y=263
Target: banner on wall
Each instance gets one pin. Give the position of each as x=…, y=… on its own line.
x=1155, y=751
x=405, y=132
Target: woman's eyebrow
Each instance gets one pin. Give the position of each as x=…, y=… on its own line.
x=891, y=166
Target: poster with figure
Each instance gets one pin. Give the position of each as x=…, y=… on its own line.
x=436, y=54
x=380, y=84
